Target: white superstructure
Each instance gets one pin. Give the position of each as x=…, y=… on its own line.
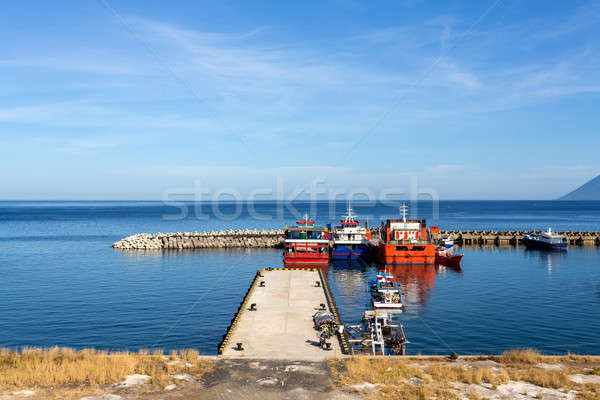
x=350, y=232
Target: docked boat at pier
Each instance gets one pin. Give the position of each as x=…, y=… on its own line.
x=406, y=241
x=377, y=334
x=545, y=240
x=306, y=244
x=350, y=241
x=385, y=293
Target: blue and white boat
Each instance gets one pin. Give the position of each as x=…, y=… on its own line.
x=385, y=293
x=446, y=241
x=545, y=240
x=349, y=241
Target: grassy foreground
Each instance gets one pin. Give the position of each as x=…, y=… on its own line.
x=66, y=372
x=63, y=373
x=473, y=377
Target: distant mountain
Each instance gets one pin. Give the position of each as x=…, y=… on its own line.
x=587, y=191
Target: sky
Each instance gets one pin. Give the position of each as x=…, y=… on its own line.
x=107, y=99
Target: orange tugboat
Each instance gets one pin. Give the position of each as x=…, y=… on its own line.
x=406, y=241
x=306, y=244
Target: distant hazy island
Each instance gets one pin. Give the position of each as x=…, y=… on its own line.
x=588, y=191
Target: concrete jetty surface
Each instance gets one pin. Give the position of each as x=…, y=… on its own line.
x=281, y=327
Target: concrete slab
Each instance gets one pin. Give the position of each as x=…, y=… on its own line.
x=282, y=326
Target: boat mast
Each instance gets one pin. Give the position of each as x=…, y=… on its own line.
x=403, y=209
x=349, y=217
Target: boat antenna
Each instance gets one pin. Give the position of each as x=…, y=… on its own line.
x=403, y=209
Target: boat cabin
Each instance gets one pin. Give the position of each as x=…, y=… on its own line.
x=306, y=243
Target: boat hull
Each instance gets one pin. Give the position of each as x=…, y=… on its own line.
x=449, y=260
x=396, y=306
x=538, y=244
x=344, y=252
x=306, y=260
x=406, y=254
x=306, y=252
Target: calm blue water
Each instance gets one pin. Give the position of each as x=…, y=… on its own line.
x=62, y=284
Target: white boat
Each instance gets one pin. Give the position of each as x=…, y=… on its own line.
x=385, y=293
x=446, y=241
x=546, y=240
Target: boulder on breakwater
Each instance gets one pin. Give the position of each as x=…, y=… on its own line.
x=203, y=240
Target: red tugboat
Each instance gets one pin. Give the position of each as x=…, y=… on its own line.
x=406, y=241
x=444, y=253
x=445, y=257
x=306, y=244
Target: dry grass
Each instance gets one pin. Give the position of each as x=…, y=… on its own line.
x=530, y=356
x=393, y=375
x=524, y=356
x=441, y=379
x=384, y=371
x=421, y=392
x=59, y=367
x=465, y=374
x=540, y=377
x=589, y=392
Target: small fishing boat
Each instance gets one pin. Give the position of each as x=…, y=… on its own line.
x=446, y=241
x=350, y=241
x=385, y=293
x=306, y=244
x=545, y=240
x=446, y=257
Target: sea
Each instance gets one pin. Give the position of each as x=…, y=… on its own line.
x=61, y=284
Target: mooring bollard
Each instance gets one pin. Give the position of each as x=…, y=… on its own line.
x=262, y=284
x=253, y=307
x=239, y=347
x=322, y=306
x=317, y=284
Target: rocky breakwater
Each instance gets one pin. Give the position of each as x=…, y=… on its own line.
x=202, y=240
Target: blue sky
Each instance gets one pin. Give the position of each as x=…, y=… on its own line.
x=136, y=100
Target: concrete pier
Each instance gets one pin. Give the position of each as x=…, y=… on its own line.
x=281, y=326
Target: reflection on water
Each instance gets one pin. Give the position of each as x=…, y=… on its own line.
x=416, y=281
x=350, y=283
x=548, y=257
